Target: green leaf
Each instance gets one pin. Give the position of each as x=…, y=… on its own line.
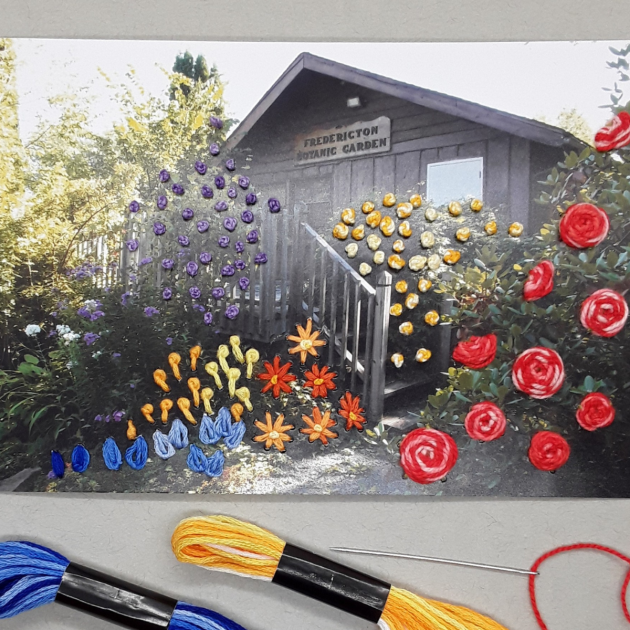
x=589, y=383
x=29, y=358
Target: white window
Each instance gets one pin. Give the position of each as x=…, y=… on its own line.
x=454, y=180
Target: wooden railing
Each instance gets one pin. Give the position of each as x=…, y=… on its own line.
x=352, y=313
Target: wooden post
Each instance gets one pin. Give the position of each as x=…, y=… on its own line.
x=297, y=286
x=379, y=347
x=444, y=358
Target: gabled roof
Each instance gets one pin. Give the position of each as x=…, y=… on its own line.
x=497, y=119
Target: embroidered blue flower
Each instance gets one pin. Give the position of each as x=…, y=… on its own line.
x=228, y=270
x=239, y=246
x=214, y=466
x=111, y=454
x=58, y=465
x=218, y=293
x=163, y=448
x=208, y=432
x=80, y=459
x=137, y=454
x=236, y=435
x=224, y=422
x=178, y=435
x=196, y=460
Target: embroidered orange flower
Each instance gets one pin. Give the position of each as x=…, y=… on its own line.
x=307, y=341
x=351, y=410
x=273, y=433
x=319, y=427
x=320, y=380
x=278, y=377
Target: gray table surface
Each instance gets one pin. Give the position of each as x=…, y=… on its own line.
x=129, y=535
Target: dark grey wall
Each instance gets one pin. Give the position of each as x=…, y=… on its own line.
x=420, y=136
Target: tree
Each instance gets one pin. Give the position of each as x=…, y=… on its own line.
x=572, y=121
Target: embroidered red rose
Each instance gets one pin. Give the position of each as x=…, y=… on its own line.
x=548, y=451
x=584, y=225
x=595, y=412
x=604, y=313
x=477, y=352
x=427, y=455
x=538, y=372
x=539, y=282
x=485, y=422
x=615, y=134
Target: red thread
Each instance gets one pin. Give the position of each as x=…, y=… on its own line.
x=558, y=550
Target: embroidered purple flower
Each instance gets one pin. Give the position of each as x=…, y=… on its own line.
x=228, y=270
x=274, y=205
x=167, y=294
x=214, y=149
x=168, y=263
x=205, y=258
x=220, y=206
x=187, y=214
x=96, y=315
x=247, y=216
x=229, y=223
x=252, y=237
x=145, y=261
x=260, y=259
x=134, y=206
x=169, y=341
x=118, y=415
x=243, y=182
x=164, y=176
x=243, y=283
x=207, y=192
x=202, y=226
x=83, y=312
x=159, y=228
x=124, y=298
x=107, y=418
x=230, y=164
x=132, y=245
x=219, y=182
x=195, y=293
x=217, y=123
x=231, y=312
x=240, y=264
x=98, y=418
x=198, y=307
x=162, y=202
x=224, y=241
x=183, y=240
x=177, y=189
x=232, y=194
x=192, y=268
x=150, y=311
x=200, y=167
x=218, y=293
x=90, y=338
x=207, y=318
x=239, y=246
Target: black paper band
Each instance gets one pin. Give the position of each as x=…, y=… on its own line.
x=332, y=583
x=115, y=600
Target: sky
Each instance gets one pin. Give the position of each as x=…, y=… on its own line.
x=530, y=79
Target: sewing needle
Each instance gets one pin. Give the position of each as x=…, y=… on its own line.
x=476, y=565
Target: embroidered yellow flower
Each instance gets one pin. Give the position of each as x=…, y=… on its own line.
x=396, y=310
x=401, y=286
x=348, y=216
x=455, y=208
x=516, y=229
x=415, y=200
x=352, y=249
x=404, y=229
x=398, y=246
x=463, y=234
x=359, y=232
x=431, y=214
x=424, y=285
x=411, y=301
x=365, y=269
x=367, y=207
x=379, y=258
x=434, y=262
x=416, y=263
x=396, y=262
x=389, y=200
x=406, y=328
x=341, y=231
x=432, y=318
x=491, y=228
x=404, y=210
x=397, y=359
x=373, y=219
x=427, y=239
x=451, y=256
x=423, y=355
x=476, y=205
x=388, y=227
x=374, y=242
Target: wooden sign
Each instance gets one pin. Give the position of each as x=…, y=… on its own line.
x=359, y=138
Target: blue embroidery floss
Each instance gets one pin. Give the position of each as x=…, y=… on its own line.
x=58, y=466
x=178, y=435
x=136, y=455
x=224, y=422
x=163, y=448
x=80, y=459
x=196, y=460
x=111, y=454
x=33, y=576
x=214, y=467
x=208, y=433
x=237, y=431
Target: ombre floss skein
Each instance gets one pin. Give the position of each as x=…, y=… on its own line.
x=33, y=576
x=222, y=543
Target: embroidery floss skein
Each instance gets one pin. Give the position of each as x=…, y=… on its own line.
x=226, y=544
x=32, y=576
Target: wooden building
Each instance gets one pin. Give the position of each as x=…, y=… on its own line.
x=424, y=139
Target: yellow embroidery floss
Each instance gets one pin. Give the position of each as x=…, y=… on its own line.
x=194, y=385
x=174, y=360
x=132, y=433
x=242, y=393
x=223, y=352
x=165, y=406
x=184, y=407
x=159, y=376
x=222, y=543
x=146, y=411
x=233, y=375
x=235, y=342
x=251, y=358
x=237, y=411
x=195, y=353
x=206, y=397
x=213, y=370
